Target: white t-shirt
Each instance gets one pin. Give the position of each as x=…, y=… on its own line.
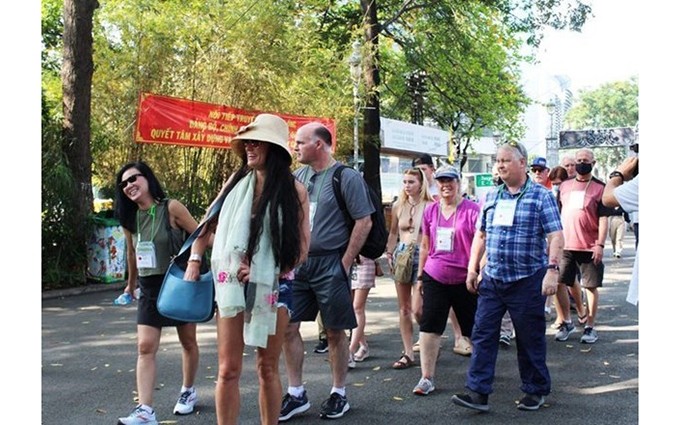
x=627, y=195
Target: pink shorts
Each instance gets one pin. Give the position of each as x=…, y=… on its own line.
x=363, y=275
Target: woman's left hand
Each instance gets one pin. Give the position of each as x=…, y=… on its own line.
x=243, y=273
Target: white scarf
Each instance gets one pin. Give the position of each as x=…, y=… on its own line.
x=260, y=298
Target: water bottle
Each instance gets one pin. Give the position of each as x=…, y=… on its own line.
x=123, y=299
x=138, y=292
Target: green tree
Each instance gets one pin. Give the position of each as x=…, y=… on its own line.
x=613, y=104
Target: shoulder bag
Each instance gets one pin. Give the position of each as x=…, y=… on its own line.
x=188, y=301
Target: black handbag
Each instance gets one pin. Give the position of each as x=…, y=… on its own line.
x=188, y=301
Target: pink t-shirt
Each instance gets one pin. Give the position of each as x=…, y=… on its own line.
x=581, y=211
x=450, y=267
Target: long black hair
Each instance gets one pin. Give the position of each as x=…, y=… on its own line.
x=280, y=196
x=125, y=210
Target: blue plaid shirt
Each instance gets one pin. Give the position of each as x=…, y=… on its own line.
x=518, y=251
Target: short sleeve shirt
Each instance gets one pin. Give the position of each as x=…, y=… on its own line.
x=581, y=210
x=329, y=230
x=450, y=267
x=518, y=251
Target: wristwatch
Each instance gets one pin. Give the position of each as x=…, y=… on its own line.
x=554, y=267
x=616, y=174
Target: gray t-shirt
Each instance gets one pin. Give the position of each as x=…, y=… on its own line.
x=329, y=229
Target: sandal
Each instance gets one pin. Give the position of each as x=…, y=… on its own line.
x=361, y=354
x=464, y=347
x=404, y=362
x=583, y=319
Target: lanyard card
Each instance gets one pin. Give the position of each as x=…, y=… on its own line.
x=505, y=212
x=444, y=239
x=146, y=255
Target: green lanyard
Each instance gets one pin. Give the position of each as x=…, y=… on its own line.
x=323, y=180
x=152, y=213
x=503, y=186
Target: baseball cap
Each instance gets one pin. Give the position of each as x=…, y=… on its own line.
x=446, y=171
x=539, y=162
x=425, y=159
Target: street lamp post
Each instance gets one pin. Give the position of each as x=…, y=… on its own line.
x=550, y=141
x=355, y=73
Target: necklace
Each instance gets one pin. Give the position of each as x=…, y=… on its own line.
x=411, y=213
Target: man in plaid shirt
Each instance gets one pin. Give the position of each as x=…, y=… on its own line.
x=520, y=271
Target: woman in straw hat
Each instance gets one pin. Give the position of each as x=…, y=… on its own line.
x=261, y=234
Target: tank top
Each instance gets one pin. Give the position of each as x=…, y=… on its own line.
x=161, y=237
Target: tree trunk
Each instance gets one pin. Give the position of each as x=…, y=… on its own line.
x=371, y=127
x=77, y=69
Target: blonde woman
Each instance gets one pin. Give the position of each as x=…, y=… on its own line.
x=407, y=213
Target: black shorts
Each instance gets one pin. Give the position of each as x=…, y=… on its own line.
x=147, y=313
x=574, y=263
x=439, y=298
x=322, y=285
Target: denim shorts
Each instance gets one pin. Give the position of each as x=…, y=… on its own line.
x=286, y=295
x=414, y=273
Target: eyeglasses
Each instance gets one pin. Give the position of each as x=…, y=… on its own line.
x=133, y=178
x=251, y=144
x=536, y=170
x=520, y=148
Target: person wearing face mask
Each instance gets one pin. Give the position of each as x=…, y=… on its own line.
x=585, y=221
x=556, y=176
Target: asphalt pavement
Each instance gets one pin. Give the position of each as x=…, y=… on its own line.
x=89, y=357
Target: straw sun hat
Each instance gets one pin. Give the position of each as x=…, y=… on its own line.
x=264, y=128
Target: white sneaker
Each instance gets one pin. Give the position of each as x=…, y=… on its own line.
x=351, y=363
x=139, y=416
x=186, y=402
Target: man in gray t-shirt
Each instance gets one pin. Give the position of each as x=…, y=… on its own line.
x=322, y=282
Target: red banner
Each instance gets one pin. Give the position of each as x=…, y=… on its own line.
x=175, y=121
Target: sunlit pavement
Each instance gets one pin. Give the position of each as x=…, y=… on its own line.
x=89, y=357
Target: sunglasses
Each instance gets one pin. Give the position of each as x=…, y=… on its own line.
x=520, y=148
x=133, y=178
x=536, y=170
x=251, y=144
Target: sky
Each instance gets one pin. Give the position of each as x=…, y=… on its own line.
x=607, y=49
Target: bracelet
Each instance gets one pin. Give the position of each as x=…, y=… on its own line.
x=195, y=258
x=616, y=174
x=601, y=244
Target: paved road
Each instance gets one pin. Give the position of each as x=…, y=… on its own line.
x=89, y=354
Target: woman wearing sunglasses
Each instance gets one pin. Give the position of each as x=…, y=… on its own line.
x=261, y=234
x=407, y=213
x=144, y=212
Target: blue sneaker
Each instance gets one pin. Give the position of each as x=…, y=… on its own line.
x=291, y=406
x=334, y=407
x=564, y=331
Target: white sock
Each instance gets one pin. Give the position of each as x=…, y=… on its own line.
x=340, y=391
x=187, y=389
x=296, y=391
x=147, y=408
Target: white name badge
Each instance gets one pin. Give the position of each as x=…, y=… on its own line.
x=504, y=214
x=146, y=255
x=444, y=238
x=577, y=200
x=312, y=213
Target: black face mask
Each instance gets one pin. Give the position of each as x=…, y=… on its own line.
x=583, y=168
x=497, y=181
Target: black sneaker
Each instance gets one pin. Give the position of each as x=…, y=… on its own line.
x=531, y=402
x=335, y=407
x=291, y=406
x=472, y=400
x=321, y=347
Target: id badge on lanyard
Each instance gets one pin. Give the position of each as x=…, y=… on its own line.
x=146, y=255
x=444, y=239
x=505, y=212
x=577, y=200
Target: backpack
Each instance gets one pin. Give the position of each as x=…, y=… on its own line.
x=376, y=241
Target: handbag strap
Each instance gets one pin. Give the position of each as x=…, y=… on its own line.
x=214, y=210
